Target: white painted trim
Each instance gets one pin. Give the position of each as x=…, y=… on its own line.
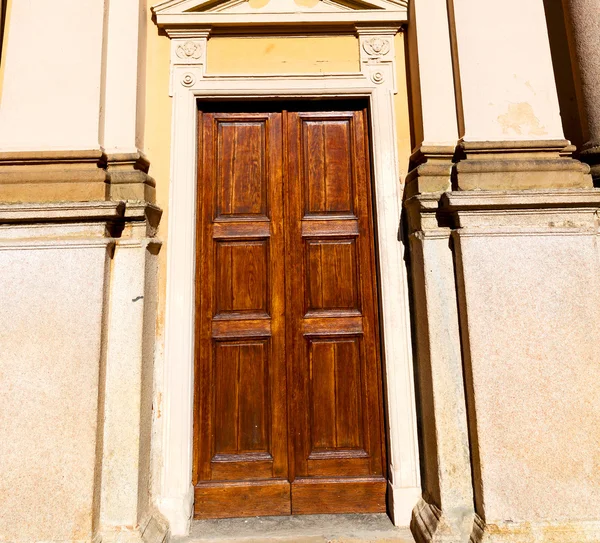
x=376, y=82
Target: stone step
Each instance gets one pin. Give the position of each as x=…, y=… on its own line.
x=299, y=529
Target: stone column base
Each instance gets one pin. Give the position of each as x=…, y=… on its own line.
x=535, y=532
x=430, y=525
x=519, y=165
x=154, y=530
x=591, y=155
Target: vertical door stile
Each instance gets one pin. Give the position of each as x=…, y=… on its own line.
x=289, y=289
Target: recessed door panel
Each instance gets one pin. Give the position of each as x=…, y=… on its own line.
x=331, y=282
x=241, y=162
x=242, y=274
x=336, y=395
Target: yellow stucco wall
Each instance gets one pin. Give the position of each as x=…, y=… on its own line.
x=297, y=55
x=401, y=106
x=277, y=55
x=157, y=140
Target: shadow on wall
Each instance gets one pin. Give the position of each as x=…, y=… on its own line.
x=566, y=74
x=3, y=6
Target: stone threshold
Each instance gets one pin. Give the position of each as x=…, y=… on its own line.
x=298, y=529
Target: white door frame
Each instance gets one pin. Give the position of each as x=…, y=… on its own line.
x=376, y=82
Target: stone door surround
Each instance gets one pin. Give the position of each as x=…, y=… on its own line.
x=189, y=24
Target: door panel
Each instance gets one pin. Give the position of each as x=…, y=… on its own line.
x=287, y=317
x=241, y=422
x=332, y=315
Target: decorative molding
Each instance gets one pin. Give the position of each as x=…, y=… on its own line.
x=377, y=53
x=521, y=199
x=239, y=13
x=430, y=170
x=377, y=77
x=115, y=214
x=376, y=46
x=63, y=211
x=78, y=175
x=189, y=50
x=523, y=211
x=590, y=154
x=188, y=80
x=525, y=165
x=128, y=176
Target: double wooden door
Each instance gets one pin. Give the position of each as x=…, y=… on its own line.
x=289, y=414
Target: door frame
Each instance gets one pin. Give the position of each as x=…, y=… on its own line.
x=376, y=82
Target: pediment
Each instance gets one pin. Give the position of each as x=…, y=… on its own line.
x=237, y=12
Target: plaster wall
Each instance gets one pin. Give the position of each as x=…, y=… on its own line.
x=327, y=54
x=65, y=66
x=506, y=73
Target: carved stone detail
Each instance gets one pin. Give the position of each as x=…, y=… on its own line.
x=377, y=77
x=188, y=80
x=376, y=47
x=190, y=50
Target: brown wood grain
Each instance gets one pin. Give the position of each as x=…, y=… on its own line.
x=242, y=499
x=241, y=410
x=335, y=364
x=287, y=318
x=322, y=496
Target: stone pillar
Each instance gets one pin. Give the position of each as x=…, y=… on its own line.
x=77, y=326
x=585, y=22
x=523, y=214
x=445, y=512
x=527, y=270
x=512, y=132
x=124, y=101
x=434, y=99
x=126, y=512
x=71, y=102
x=53, y=290
x=51, y=101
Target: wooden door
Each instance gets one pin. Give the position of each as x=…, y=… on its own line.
x=288, y=379
x=334, y=368
x=241, y=421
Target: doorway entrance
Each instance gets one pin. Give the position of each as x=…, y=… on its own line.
x=288, y=409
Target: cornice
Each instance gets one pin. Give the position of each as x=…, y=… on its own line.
x=174, y=15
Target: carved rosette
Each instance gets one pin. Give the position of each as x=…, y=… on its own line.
x=377, y=77
x=188, y=79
